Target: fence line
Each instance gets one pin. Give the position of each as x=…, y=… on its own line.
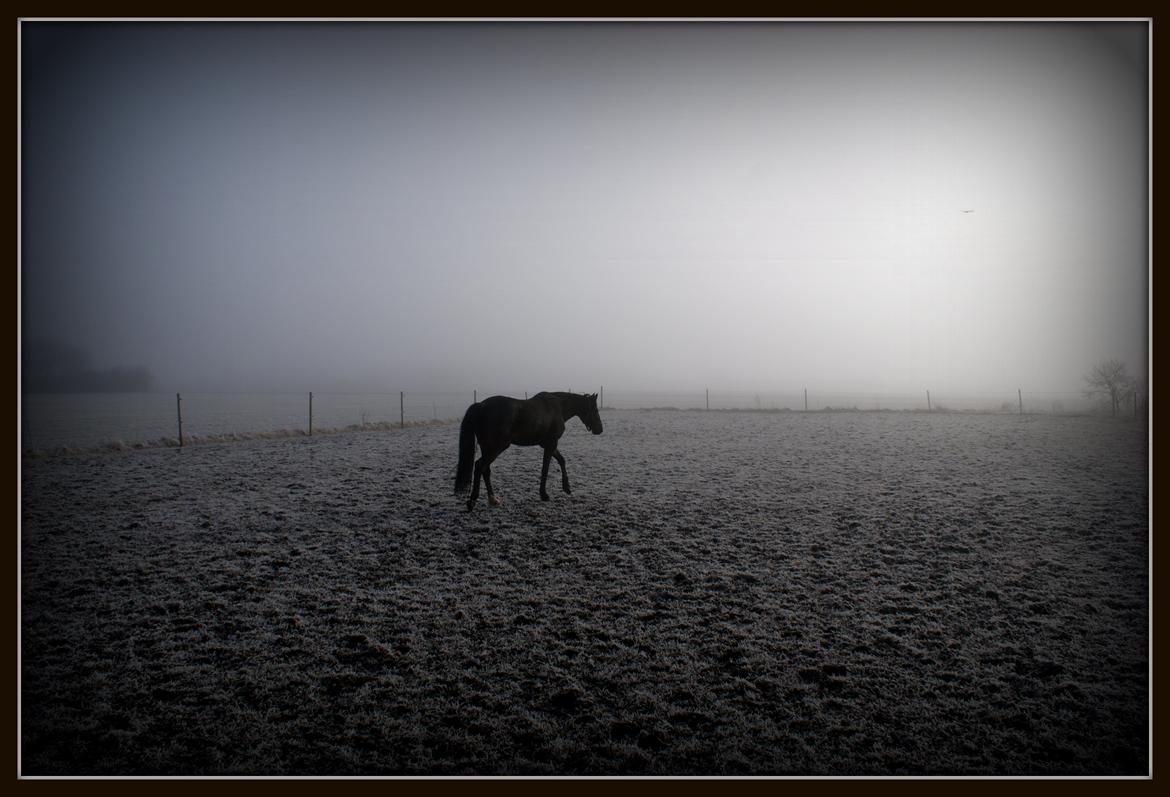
x=91, y=420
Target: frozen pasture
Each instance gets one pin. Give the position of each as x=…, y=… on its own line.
x=723, y=593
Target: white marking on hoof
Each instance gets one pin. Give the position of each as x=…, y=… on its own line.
x=493, y=500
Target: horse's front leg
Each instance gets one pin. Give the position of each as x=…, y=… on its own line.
x=548, y=452
x=564, y=475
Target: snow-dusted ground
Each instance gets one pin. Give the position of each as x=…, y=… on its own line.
x=846, y=593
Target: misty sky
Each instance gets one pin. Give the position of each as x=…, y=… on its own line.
x=328, y=206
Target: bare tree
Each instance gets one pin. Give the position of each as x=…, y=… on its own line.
x=1109, y=378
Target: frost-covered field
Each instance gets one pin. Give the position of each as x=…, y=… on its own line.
x=723, y=593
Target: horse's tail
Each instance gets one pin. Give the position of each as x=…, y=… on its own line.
x=466, y=449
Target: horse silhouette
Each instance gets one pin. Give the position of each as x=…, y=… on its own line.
x=500, y=421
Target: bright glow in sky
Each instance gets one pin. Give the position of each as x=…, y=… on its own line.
x=646, y=206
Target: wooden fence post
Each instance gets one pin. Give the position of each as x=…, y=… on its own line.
x=179, y=409
x=310, y=413
x=708, y=392
x=1020, y=393
x=806, y=399
x=401, y=410
x=928, y=409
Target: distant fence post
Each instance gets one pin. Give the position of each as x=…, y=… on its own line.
x=806, y=399
x=603, y=399
x=310, y=413
x=708, y=393
x=1020, y=393
x=475, y=396
x=401, y=409
x=179, y=409
x=928, y=401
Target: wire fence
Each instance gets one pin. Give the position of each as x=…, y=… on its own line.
x=79, y=421
x=1006, y=401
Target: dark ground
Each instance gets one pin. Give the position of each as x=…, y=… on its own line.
x=724, y=593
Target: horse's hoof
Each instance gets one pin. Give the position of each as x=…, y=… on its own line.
x=567, y=490
x=493, y=500
x=544, y=497
x=470, y=505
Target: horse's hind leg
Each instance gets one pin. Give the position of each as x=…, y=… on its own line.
x=475, y=484
x=483, y=470
x=564, y=475
x=548, y=452
x=487, y=481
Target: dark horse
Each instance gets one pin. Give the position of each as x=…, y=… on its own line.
x=500, y=421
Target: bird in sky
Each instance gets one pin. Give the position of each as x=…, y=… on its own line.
x=972, y=210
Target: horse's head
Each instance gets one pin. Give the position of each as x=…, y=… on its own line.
x=589, y=414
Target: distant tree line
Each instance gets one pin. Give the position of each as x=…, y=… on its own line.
x=1110, y=381
x=50, y=366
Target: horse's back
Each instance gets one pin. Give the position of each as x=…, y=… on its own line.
x=501, y=406
x=498, y=412
x=504, y=420
x=498, y=403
